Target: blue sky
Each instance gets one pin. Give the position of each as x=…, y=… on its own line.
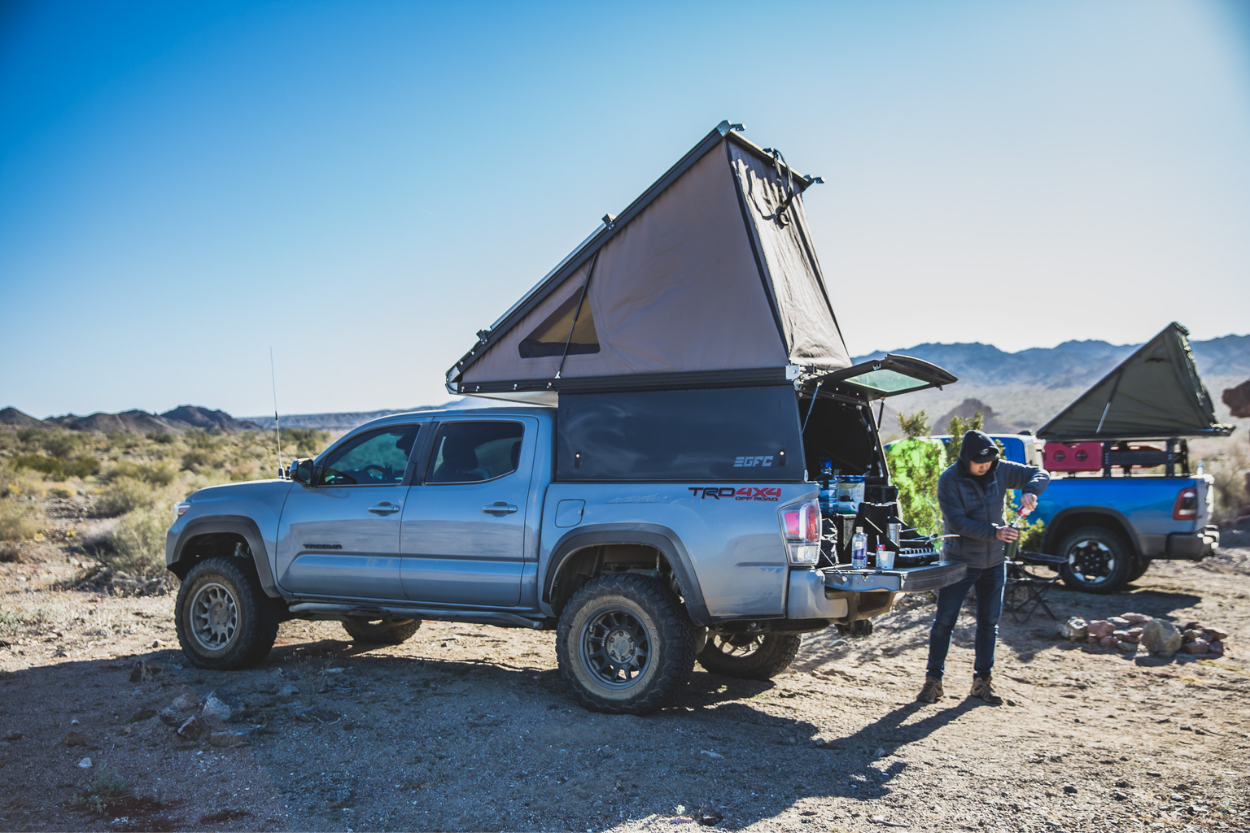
x=364, y=185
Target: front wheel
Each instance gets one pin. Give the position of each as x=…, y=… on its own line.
x=625, y=644
x=223, y=617
x=1099, y=560
x=749, y=656
x=381, y=631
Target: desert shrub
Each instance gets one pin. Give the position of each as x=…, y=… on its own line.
x=122, y=496
x=58, y=468
x=1228, y=471
x=914, y=425
x=308, y=441
x=10, y=553
x=197, y=459
x=915, y=465
x=139, y=542
x=60, y=443
x=19, y=520
x=957, y=428
x=154, y=474
x=161, y=437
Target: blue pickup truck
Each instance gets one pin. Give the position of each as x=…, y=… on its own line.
x=1110, y=524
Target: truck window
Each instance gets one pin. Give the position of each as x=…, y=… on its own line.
x=470, y=452
x=376, y=458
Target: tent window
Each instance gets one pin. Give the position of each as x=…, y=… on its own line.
x=549, y=338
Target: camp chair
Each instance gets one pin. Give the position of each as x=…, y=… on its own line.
x=1027, y=586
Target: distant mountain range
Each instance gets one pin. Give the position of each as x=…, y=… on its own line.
x=1071, y=364
x=1024, y=389
x=134, y=422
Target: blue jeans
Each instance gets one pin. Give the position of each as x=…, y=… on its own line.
x=989, y=585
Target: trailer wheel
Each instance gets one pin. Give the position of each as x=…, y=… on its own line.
x=749, y=656
x=625, y=644
x=1099, y=560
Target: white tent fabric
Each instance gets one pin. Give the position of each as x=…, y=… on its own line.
x=702, y=276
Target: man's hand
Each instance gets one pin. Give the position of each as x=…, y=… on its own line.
x=1028, y=502
x=1006, y=533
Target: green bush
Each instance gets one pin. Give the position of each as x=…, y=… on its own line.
x=154, y=474
x=161, y=437
x=915, y=465
x=308, y=441
x=19, y=520
x=61, y=443
x=139, y=542
x=58, y=468
x=124, y=495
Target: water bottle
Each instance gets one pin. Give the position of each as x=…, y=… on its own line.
x=1013, y=547
x=859, y=550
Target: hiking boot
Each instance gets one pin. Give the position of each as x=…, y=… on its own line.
x=932, y=691
x=983, y=690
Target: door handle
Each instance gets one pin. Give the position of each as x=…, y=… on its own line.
x=385, y=508
x=499, y=508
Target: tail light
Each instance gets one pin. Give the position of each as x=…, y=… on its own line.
x=800, y=525
x=180, y=509
x=1186, y=506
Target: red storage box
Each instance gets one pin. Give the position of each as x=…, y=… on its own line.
x=1072, y=456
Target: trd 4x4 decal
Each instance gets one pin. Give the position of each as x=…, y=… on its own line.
x=755, y=493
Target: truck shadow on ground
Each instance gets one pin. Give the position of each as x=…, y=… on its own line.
x=430, y=723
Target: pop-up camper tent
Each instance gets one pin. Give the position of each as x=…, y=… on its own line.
x=709, y=279
x=1154, y=394
x=692, y=332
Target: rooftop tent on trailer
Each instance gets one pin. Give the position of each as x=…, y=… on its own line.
x=709, y=279
x=1154, y=394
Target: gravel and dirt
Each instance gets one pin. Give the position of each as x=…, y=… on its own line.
x=470, y=728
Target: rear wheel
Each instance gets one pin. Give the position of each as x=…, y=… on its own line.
x=1140, y=566
x=749, y=656
x=381, y=631
x=625, y=644
x=1099, y=560
x=223, y=617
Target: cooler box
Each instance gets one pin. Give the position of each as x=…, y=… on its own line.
x=1072, y=456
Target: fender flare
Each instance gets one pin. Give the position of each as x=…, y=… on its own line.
x=1051, y=538
x=240, y=525
x=649, y=535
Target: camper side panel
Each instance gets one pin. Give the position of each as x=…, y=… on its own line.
x=716, y=435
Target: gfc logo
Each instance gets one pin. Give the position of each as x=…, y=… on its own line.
x=750, y=462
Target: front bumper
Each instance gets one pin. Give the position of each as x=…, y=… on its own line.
x=846, y=594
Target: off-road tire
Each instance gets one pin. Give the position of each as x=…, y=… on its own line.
x=1140, y=566
x=1099, y=560
x=625, y=644
x=223, y=617
x=749, y=656
x=381, y=631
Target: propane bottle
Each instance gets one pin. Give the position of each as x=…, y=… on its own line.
x=859, y=550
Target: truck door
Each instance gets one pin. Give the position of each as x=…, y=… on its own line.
x=340, y=536
x=462, y=538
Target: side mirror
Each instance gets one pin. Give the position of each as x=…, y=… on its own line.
x=302, y=471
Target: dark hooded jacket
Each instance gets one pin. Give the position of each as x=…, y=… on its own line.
x=974, y=508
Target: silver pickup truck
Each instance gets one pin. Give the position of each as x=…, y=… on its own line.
x=494, y=516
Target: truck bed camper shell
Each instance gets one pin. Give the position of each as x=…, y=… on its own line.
x=691, y=333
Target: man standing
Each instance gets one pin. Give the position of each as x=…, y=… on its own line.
x=972, y=494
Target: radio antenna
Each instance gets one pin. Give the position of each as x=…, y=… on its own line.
x=277, y=429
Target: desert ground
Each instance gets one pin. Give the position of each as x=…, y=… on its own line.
x=471, y=728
